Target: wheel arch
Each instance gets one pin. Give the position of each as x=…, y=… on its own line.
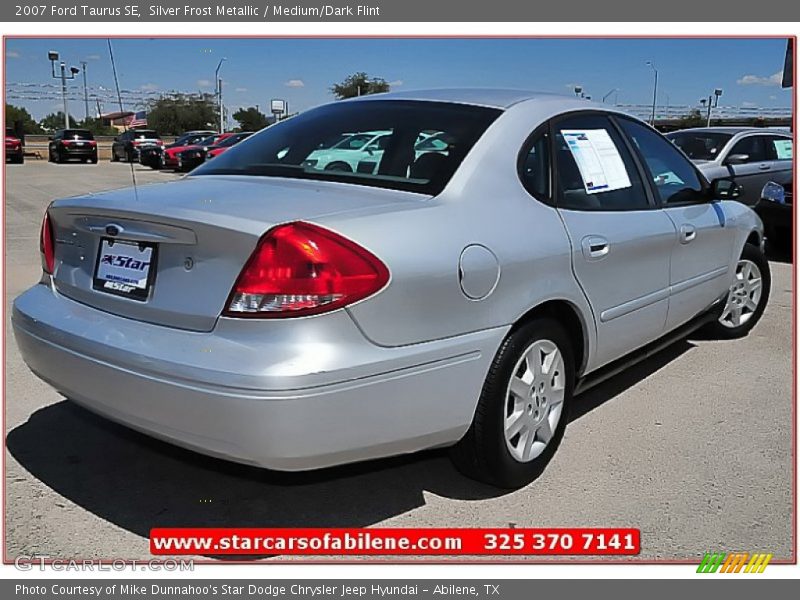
x=569, y=316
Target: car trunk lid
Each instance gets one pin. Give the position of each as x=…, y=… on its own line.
x=184, y=242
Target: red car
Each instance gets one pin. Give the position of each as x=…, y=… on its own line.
x=171, y=154
x=15, y=153
x=228, y=142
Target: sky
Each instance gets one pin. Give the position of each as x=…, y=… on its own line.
x=301, y=70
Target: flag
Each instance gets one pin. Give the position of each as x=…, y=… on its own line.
x=139, y=119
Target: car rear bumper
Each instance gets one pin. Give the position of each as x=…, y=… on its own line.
x=78, y=152
x=288, y=395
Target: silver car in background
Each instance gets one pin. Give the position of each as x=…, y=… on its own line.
x=274, y=313
x=751, y=156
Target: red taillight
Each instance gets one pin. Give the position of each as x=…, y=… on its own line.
x=301, y=269
x=65, y=142
x=46, y=244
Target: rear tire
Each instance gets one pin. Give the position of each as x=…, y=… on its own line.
x=523, y=407
x=747, y=297
x=114, y=157
x=339, y=167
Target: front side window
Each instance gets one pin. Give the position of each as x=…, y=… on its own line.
x=700, y=145
x=673, y=176
x=594, y=169
x=375, y=143
x=749, y=149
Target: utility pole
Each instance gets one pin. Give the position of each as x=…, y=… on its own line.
x=655, y=91
x=219, y=96
x=85, y=92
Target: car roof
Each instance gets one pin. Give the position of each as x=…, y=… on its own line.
x=490, y=97
x=734, y=130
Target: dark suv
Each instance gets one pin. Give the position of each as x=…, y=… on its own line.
x=128, y=144
x=67, y=144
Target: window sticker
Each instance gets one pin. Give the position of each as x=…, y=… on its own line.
x=598, y=160
x=783, y=148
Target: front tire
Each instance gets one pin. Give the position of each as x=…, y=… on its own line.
x=747, y=296
x=522, y=411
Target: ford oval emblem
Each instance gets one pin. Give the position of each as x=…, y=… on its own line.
x=113, y=230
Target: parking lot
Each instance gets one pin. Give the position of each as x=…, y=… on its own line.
x=693, y=446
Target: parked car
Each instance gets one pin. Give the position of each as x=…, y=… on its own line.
x=172, y=156
x=15, y=151
x=158, y=157
x=128, y=144
x=220, y=147
x=775, y=209
x=281, y=314
x=748, y=155
x=69, y=144
x=351, y=153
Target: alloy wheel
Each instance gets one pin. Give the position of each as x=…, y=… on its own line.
x=743, y=295
x=534, y=400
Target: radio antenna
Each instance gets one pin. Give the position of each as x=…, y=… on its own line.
x=121, y=110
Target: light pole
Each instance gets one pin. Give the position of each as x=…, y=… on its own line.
x=53, y=56
x=715, y=97
x=85, y=93
x=655, y=90
x=609, y=93
x=219, y=96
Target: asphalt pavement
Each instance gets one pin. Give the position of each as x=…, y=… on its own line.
x=693, y=446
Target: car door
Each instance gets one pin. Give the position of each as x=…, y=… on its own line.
x=749, y=164
x=621, y=243
x=701, y=258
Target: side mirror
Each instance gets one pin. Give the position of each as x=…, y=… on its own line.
x=737, y=159
x=725, y=189
x=774, y=192
x=116, y=139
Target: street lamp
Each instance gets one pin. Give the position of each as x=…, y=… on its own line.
x=706, y=102
x=609, y=93
x=219, y=96
x=52, y=55
x=650, y=64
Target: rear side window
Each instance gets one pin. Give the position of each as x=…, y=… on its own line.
x=752, y=146
x=594, y=169
x=673, y=176
x=534, y=167
x=779, y=148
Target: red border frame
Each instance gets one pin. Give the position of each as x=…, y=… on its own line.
x=422, y=560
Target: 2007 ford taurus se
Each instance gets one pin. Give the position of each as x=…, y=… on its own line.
x=459, y=293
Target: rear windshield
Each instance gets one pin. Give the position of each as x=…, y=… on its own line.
x=77, y=134
x=145, y=134
x=700, y=145
x=375, y=143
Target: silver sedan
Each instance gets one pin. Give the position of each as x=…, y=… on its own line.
x=274, y=312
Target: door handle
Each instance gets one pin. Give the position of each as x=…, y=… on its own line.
x=764, y=167
x=595, y=247
x=688, y=233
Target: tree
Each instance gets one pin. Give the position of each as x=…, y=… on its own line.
x=359, y=84
x=97, y=127
x=16, y=116
x=250, y=119
x=55, y=121
x=172, y=115
x=693, y=119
